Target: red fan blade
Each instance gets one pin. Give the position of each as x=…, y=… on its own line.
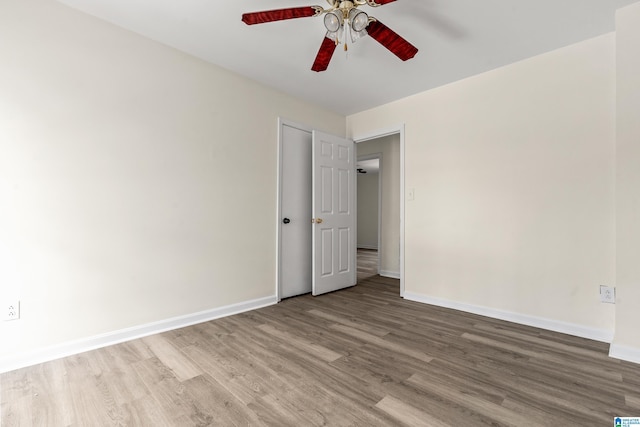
x=391, y=40
x=280, y=14
x=324, y=55
x=376, y=3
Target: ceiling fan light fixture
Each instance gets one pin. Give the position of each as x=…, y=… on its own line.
x=333, y=35
x=357, y=35
x=359, y=20
x=333, y=21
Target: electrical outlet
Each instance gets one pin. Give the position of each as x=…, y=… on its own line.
x=12, y=310
x=608, y=294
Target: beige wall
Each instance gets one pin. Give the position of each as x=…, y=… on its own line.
x=368, y=211
x=513, y=172
x=389, y=146
x=136, y=182
x=627, y=339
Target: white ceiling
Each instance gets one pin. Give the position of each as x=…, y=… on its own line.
x=456, y=38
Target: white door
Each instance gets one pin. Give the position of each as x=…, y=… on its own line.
x=295, y=212
x=334, y=216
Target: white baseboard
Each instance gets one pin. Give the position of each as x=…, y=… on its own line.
x=91, y=343
x=390, y=274
x=602, y=335
x=374, y=247
x=630, y=354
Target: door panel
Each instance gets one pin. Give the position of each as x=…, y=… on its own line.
x=343, y=256
x=333, y=207
x=326, y=190
x=295, y=190
x=327, y=252
x=343, y=191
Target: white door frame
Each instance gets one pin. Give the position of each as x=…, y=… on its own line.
x=379, y=157
x=282, y=122
x=393, y=130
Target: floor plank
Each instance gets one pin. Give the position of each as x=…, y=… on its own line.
x=407, y=414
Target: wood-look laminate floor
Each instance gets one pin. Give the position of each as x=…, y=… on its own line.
x=361, y=356
x=368, y=265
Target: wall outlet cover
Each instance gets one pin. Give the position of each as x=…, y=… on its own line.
x=12, y=310
x=608, y=294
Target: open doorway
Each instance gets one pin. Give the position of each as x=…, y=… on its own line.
x=369, y=206
x=379, y=202
x=388, y=252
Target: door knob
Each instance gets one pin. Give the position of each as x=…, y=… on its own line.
x=286, y=220
x=319, y=221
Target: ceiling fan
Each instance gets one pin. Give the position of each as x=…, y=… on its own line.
x=343, y=20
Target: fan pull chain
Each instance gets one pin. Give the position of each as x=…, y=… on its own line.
x=345, y=34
